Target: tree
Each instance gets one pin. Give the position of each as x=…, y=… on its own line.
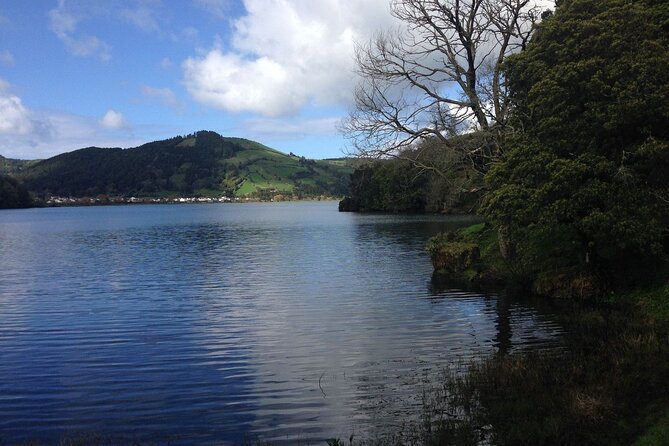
x=582, y=191
x=398, y=185
x=386, y=186
x=13, y=195
x=595, y=77
x=439, y=77
x=575, y=216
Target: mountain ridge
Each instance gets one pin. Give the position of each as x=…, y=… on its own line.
x=203, y=163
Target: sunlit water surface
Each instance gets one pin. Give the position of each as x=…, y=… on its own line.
x=215, y=324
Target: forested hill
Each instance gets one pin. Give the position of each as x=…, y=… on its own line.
x=204, y=163
x=12, y=167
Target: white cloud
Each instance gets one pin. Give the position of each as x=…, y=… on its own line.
x=14, y=116
x=54, y=133
x=6, y=58
x=64, y=24
x=164, y=95
x=545, y=4
x=21, y=129
x=229, y=82
x=26, y=133
x=113, y=120
x=286, y=54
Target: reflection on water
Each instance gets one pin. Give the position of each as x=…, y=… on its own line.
x=230, y=322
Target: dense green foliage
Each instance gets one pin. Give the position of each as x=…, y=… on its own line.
x=582, y=192
x=485, y=268
x=12, y=167
x=386, y=186
x=428, y=179
x=594, y=77
x=13, y=195
x=204, y=164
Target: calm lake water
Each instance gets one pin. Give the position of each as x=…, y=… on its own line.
x=216, y=324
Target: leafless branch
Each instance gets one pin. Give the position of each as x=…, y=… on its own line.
x=440, y=77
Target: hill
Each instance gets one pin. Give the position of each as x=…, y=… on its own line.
x=12, y=167
x=204, y=164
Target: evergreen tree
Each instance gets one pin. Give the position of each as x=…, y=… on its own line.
x=584, y=187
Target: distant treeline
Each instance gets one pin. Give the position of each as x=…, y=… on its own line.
x=398, y=186
x=427, y=179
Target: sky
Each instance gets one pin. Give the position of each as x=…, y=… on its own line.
x=119, y=73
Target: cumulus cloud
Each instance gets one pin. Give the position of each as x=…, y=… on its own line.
x=286, y=54
x=229, y=82
x=26, y=133
x=14, y=116
x=113, y=120
x=21, y=129
x=54, y=133
x=63, y=24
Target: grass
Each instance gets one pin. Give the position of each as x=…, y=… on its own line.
x=653, y=302
x=487, y=269
x=607, y=387
x=255, y=182
x=265, y=168
x=657, y=434
x=246, y=188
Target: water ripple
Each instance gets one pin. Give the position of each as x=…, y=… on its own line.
x=220, y=323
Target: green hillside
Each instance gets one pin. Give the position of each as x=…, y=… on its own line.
x=204, y=164
x=12, y=167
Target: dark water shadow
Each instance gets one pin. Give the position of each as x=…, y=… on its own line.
x=513, y=308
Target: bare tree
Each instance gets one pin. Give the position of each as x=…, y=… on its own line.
x=438, y=78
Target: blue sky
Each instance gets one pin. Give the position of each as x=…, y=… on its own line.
x=78, y=73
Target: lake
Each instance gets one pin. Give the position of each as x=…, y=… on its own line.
x=225, y=323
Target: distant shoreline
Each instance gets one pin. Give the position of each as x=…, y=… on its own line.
x=56, y=201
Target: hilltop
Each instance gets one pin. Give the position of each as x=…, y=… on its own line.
x=12, y=167
x=201, y=164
